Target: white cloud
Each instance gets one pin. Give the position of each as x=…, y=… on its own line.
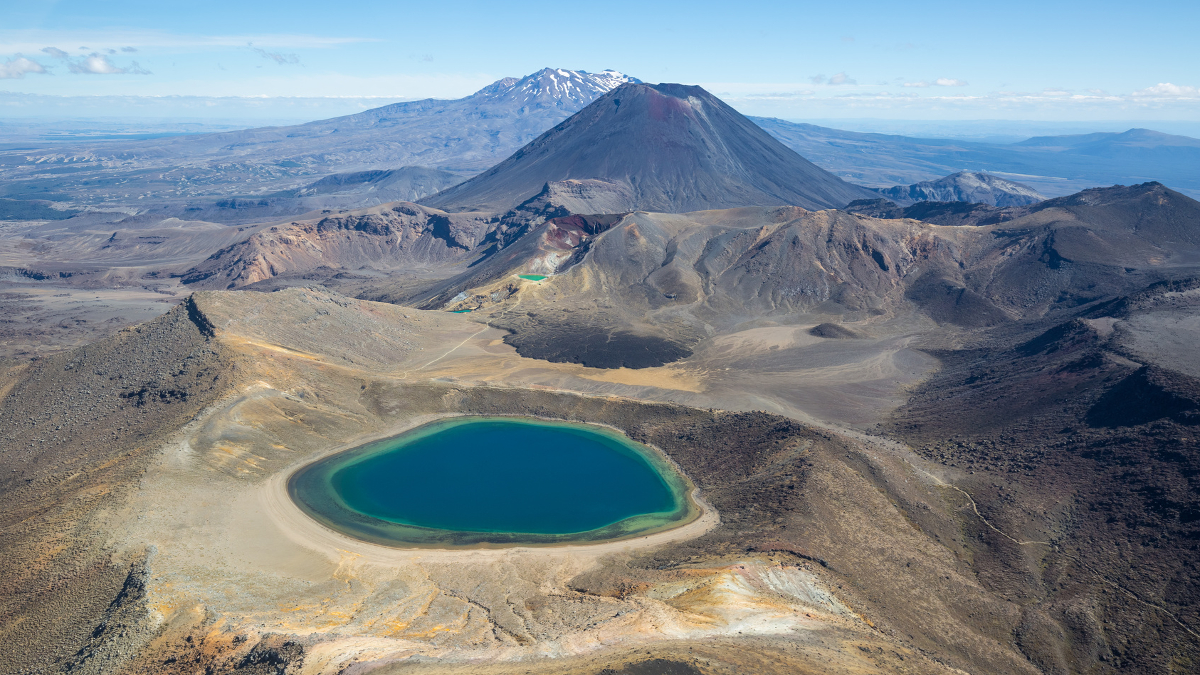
x=55, y=52
x=922, y=84
x=129, y=50
x=99, y=64
x=1168, y=90
x=94, y=64
x=18, y=67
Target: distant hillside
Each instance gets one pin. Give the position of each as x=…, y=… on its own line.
x=352, y=190
x=1052, y=165
x=935, y=213
x=408, y=183
x=670, y=147
x=15, y=209
x=966, y=186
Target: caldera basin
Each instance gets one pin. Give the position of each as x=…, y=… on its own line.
x=495, y=481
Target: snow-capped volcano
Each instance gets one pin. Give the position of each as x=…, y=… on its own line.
x=554, y=87
x=663, y=147
x=462, y=135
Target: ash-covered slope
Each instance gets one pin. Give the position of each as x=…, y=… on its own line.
x=385, y=237
x=658, y=283
x=966, y=186
x=677, y=148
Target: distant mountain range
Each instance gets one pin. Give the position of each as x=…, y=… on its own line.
x=466, y=135
x=666, y=147
x=966, y=186
x=186, y=176
x=1052, y=165
x=461, y=136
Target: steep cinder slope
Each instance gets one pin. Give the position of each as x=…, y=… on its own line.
x=677, y=148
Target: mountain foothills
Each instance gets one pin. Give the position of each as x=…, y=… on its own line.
x=939, y=427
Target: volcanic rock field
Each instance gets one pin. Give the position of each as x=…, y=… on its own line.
x=941, y=437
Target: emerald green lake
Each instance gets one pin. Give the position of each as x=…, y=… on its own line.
x=532, y=277
x=494, y=480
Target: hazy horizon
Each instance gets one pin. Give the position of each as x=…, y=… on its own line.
x=67, y=127
x=869, y=60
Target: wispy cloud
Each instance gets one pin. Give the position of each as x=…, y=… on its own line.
x=835, y=80
x=29, y=41
x=278, y=57
x=939, y=82
x=99, y=64
x=18, y=67
x=56, y=52
x=767, y=95
x=931, y=98
x=1167, y=90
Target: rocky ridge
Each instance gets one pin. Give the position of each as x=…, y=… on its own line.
x=966, y=186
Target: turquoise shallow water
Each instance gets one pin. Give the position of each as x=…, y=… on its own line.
x=473, y=480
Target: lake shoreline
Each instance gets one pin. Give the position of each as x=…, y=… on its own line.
x=309, y=482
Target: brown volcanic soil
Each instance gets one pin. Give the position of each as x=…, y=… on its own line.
x=77, y=430
x=1047, y=522
x=1069, y=434
x=139, y=462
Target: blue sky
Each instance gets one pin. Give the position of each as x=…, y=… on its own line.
x=922, y=60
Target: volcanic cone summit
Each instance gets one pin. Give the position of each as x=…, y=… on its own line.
x=677, y=148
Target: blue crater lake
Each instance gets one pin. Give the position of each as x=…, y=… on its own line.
x=495, y=480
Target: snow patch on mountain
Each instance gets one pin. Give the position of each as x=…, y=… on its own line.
x=966, y=186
